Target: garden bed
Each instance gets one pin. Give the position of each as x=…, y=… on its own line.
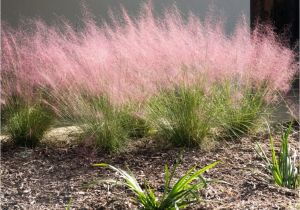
x=133, y=89
x=51, y=176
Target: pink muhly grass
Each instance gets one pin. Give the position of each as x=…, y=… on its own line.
x=133, y=59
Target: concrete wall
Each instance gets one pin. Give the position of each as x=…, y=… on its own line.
x=13, y=11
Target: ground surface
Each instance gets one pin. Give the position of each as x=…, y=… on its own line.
x=49, y=177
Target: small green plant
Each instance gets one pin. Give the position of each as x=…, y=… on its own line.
x=181, y=115
x=68, y=207
x=182, y=194
x=26, y=125
x=283, y=167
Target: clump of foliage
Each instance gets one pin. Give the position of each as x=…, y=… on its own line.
x=106, y=125
x=102, y=123
x=136, y=125
x=283, y=167
x=27, y=124
x=182, y=194
x=239, y=108
x=13, y=103
x=136, y=54
x=186, y=116
x=137, y=59
x=181, y=115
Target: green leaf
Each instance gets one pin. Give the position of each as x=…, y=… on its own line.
x=101, y=165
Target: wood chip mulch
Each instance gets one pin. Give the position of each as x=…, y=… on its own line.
x=51, y=177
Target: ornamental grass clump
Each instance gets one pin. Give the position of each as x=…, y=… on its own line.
x=283, y=166
x=136, y=125
x=180, y=195
x=181, y=115
x=27, y=124
x=188, y=115
x=101, y=123
x=239, y=109
x=105, y=125
x=132, y=58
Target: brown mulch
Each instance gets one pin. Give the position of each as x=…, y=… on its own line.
x=50, y=177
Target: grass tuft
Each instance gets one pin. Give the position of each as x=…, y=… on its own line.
x=27, y=125
x=181, y=116
x=186, y=116
x=240, y=109
x=105, y=125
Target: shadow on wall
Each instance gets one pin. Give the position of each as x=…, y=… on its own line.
x=284, y=15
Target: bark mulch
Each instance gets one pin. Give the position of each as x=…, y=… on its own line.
x=50, y=177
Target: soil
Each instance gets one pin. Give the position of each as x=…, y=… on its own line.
x=53, y=176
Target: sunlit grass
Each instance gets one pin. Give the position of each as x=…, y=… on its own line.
x=26, y=125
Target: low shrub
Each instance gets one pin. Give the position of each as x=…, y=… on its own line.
x=182, y=194
x=284, y=167
x=27, y=125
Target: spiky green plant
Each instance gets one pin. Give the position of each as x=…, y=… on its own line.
x=182, y=194
x=283, y=167
x=26, y=125
x=68, y=207
x=181, y=115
